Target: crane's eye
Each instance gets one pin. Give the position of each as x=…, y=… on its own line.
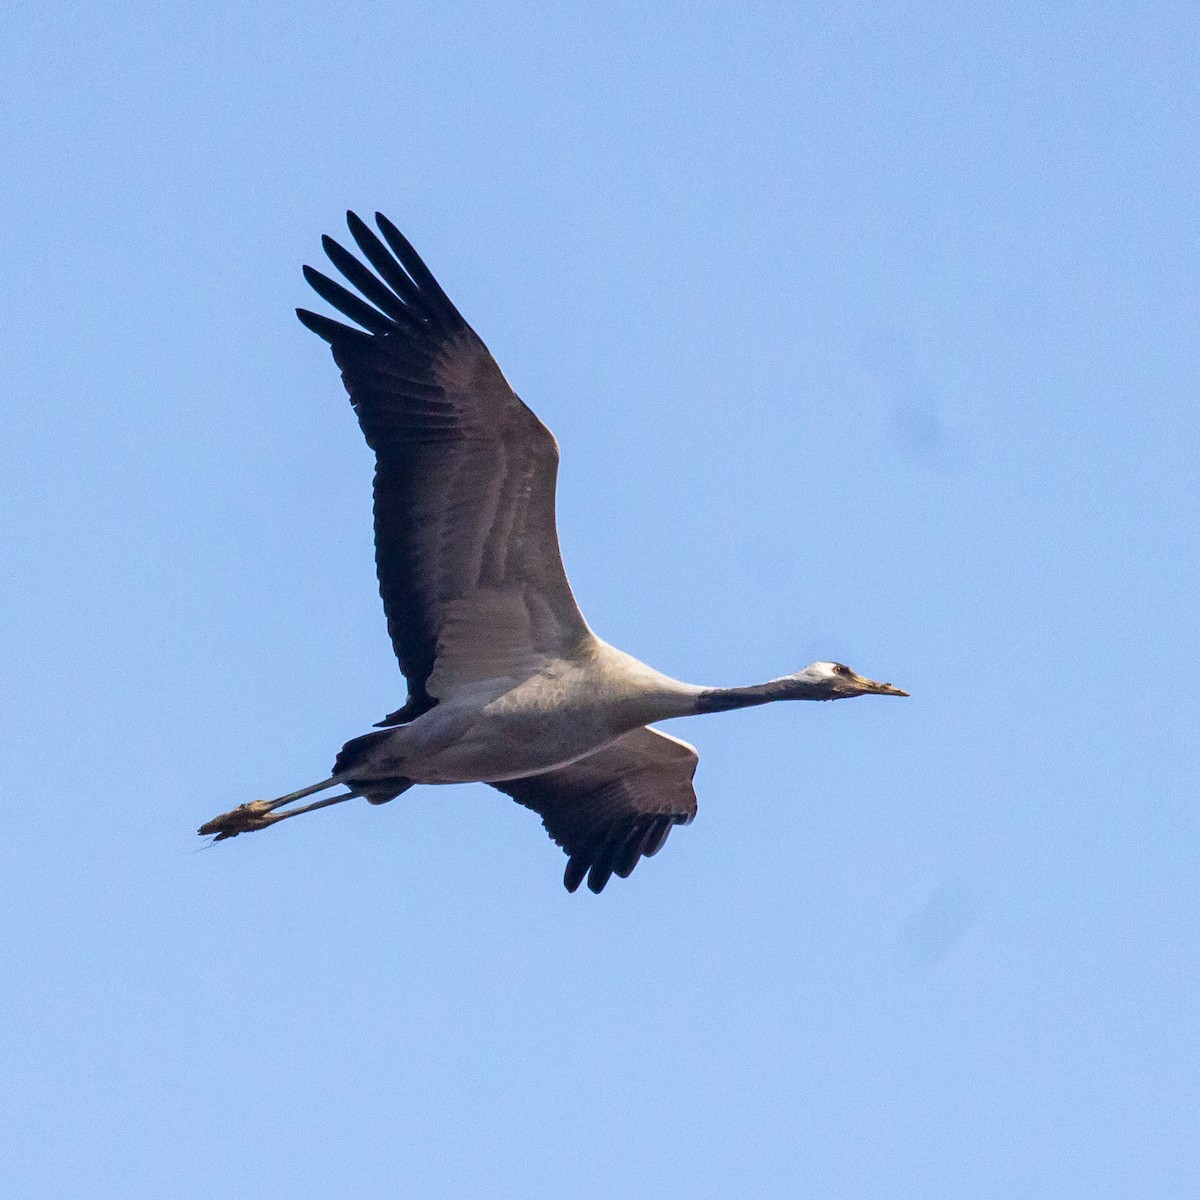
x=841, y=670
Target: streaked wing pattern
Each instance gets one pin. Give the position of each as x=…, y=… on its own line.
x=618, y=804
x=465, y=541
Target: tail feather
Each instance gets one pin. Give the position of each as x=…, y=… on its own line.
x=380, y=791
x=357, y=750
x=356, y=754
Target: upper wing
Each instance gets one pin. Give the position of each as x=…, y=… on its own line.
x=465, y=541
x=610, y=808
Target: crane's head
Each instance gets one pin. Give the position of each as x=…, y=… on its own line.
x=836, y=681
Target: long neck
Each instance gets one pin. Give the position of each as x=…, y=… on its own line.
x=789, y=688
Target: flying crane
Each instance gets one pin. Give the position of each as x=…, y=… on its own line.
x=507, y=684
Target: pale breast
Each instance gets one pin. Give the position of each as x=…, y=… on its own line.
x=553, y=718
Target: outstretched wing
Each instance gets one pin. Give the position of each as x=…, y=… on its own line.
x=611, y=808
x=465, y=541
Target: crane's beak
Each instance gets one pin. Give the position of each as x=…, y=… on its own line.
x=869, y=686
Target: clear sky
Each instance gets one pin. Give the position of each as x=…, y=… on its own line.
x=869, y=332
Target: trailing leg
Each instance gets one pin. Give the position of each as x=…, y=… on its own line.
x=258, y=814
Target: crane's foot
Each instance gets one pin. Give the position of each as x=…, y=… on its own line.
x=245, y=818
x=258, y=814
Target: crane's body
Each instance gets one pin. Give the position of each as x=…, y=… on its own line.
x=507, y=683
x=505, y=729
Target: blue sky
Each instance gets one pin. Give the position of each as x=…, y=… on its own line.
x=869, y=333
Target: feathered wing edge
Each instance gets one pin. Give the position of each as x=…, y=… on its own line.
x=405, y=297
x=407, y=320
x=615, y=807
x=411, y=368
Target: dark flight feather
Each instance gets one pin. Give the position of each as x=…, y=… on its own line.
x=347, y=302
x=614, y=807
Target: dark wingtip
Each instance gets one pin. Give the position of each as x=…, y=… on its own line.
x=599, y=875
x=434, y=301
x=323, y=327
x=399, y=243
x=345, y=301
x=333, y=332
x=573, y=875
